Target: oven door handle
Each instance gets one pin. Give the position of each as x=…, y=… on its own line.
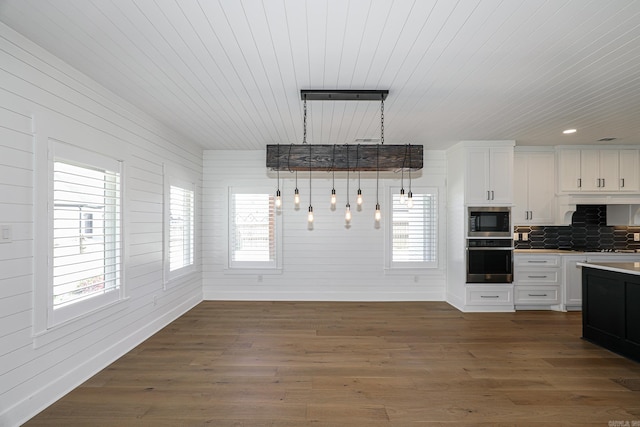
x=484, y=248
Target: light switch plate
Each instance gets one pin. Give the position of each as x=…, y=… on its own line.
x=6, y=234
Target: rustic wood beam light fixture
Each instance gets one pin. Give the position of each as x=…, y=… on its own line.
x=331, y=157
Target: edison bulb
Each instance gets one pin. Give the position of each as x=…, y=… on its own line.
x=278, y=199
x=410, y=200
x=333, y=197
x=378, y=214
x=347, y=214
x=359, y=198
x=296, y=197
x=402, y=195
x=310, y=215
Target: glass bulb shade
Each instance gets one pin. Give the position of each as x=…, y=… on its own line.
x=333, y=197
x=296, y=197
x=347, y=214
x=410, y=200
x=402, y=195
x=278, y=199
x=359, y=198
x=378, y=214
x=310, y=215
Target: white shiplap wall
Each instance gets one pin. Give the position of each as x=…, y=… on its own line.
x=329, y=262
x=36, y=369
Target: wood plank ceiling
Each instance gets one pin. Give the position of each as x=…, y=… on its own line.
x=227, y=74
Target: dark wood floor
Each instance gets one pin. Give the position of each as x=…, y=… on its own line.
x=358, y=364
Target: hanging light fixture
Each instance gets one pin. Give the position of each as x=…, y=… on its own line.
x=347, y=214
x=410, y=195
x=359, y=197
x=310, y=214
x=333, y=178
x=296, y=192
x=402, y=198
x=377, y=215
x=324, y=157
x=278, y=200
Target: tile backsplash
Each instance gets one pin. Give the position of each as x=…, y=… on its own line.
x=588, y=230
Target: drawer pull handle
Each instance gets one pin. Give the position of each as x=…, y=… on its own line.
x=537, y=262
x=489, y=296
x=537, y=277
x=537, y=295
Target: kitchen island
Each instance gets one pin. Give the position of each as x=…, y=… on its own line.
x=611, y=306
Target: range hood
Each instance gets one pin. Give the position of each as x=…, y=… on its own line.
x=621, y=209
x=623, y=214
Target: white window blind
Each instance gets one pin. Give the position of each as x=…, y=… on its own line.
x=181, y=227
x=252, y=230
x=414, y=231
x=86, y=232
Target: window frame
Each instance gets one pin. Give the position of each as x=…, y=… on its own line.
x=74, y=155
x=253, y=267
x=411, y=267
x=175, y=179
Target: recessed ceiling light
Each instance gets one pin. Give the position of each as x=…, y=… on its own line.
x=568, y=131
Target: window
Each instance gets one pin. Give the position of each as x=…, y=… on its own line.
x=253, y=230
x=86, y=233
x=181, y=228
x=413, y=230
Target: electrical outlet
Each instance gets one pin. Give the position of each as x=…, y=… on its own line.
x=6, y=234
x=636, y=237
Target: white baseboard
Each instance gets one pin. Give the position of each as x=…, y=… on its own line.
x=22, y=411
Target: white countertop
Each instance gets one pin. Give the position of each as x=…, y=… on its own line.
x=566, y=252
x=618, y=267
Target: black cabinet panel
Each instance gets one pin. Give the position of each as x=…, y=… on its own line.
x=633, y=312
x=611, y=310
x=606, y=312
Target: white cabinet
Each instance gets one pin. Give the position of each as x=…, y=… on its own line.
x=590, y=170
x=481, y=297
x=534, y=188
x=537, y=281
x=489, y=178
x=629, y=175
x=572, y=298
x=572, y=295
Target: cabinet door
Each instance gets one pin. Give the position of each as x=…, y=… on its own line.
x=590, y=170
x=541, y=177
x=569, y=171
x=572, y=295
x=501, y=175
x=629, y=179
x=609, y=179
x=477, y=188
x=520, y=208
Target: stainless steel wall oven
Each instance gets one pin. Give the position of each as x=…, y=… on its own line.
x=489, y=261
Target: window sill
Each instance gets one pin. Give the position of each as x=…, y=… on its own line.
x=253, y=271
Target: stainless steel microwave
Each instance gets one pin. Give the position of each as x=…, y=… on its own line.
x=492, y=222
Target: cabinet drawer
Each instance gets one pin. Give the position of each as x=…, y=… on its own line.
x=489, y=296
x=534, y=261
x=537, y=295
x=546, y=276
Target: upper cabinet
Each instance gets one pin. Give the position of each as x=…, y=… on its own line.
x=534, y=192
x=489, y=178
x=590, y=170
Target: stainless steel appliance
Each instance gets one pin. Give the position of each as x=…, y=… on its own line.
x=489, y=261
x=491, y=222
